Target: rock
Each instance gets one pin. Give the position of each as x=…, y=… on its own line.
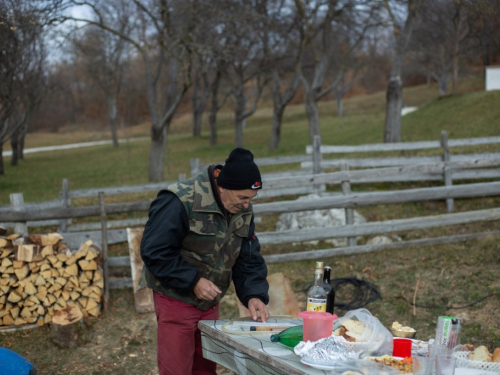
x=379, y=240
x=317, y=219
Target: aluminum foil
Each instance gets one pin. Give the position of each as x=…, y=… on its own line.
x=324, y=352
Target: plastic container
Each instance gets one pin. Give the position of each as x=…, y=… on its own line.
x=402, y=348
x=317, y=325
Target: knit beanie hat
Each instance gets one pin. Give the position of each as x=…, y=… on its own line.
x=240, y=172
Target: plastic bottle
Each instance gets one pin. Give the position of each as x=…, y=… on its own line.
x=330, y=292
x=316, y=295
x=290, y=336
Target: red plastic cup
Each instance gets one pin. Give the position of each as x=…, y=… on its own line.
x=401, y=348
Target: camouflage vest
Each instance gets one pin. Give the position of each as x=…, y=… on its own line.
x=212, y=246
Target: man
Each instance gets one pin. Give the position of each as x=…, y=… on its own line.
x=199, y=235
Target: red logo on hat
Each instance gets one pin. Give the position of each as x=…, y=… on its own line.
x=256, y=185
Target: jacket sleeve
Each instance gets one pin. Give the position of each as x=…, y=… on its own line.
x=167, y=226
x=250, y=271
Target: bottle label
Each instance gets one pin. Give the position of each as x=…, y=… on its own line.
x=316, y=304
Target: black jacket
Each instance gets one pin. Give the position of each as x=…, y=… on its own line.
x=166, y=228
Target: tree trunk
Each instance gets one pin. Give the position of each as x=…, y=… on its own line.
x=393, y=111
x=69, y=329
x=276, y=128
x=443, y=82
x=454, y=86
x=157, y=154
x=20, y=147
x=212, y=119
x=196, y=104
x=15, y=147
x=2, y=170
x=239, y=117
x=340, y=103
x=112, y=114
x=312, y=115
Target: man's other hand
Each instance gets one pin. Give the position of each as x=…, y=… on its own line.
x=254, y=305
x=206, y=290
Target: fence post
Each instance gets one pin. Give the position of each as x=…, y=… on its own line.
x=63, y=225
x=195, y=166
x=317, y=160
x=447, y=172
x=104, y=235
x=349, y=212
x=17, y=204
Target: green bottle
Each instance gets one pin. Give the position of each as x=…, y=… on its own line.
x=290, y=336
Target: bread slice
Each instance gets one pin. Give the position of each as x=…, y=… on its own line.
x=354, y=326
x=352, y=337
x=481, y=354
x=496, y=355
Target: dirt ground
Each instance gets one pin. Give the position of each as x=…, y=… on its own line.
x=459, y=280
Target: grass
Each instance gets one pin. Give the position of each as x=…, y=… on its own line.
x=452, y=277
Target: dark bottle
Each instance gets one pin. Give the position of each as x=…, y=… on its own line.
x=290, y=336
x=330, y=292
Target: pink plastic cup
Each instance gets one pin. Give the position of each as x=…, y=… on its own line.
x=317, y=324
x=401, y=348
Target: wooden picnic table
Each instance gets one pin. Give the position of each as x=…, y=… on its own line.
x=252, y=353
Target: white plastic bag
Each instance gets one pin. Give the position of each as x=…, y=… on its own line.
x=375, y=340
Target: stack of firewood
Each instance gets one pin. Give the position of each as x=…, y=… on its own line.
x=40, y=275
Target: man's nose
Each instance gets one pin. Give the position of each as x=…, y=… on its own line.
x=246, y=204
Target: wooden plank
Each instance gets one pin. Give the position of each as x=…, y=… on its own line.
x=73, y=240
x=446, y=171
x=143, y=298
x=349, y=213
x=351, y=250
x=327, y=149
x=116, y=190
x=368, y=229
x=17, y=204
x=120, y=283
x=485, y=189
x=40, y=206
x=140, y=221
x=104, y=248
x=353, y=176
x=123, y=261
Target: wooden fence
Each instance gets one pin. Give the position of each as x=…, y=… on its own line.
x=59, y=211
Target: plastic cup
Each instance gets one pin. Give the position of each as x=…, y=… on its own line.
x=317, y=324
x=445, y=364
x=423, y=365
x=401, y=348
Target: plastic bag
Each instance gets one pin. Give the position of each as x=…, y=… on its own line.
x=374, y=341
x=363, y=367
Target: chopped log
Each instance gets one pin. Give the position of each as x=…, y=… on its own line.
x=8, y=321
x=89, y=275
x=47, y=250
x=26, y=253
x=45, y=239
x=74, y=296
x=71, y=260
x=19, y=321
x=40, y=321
x=62, y=257
x=30, y=289
x=6, y=262
x=87, y=265
x=14, y=297
x=4, y=242
x=71, y=270
x=25, y=312
x=21, y=273
x=14, y=236
x=95, y=311
x=68, y=329
x=6, y=252
x=10, y=270
x=14, y=312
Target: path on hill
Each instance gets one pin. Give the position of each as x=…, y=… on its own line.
x=33, y=150
x=73, y=145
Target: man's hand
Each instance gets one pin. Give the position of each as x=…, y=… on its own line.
x=206, y=290
x=255, y=305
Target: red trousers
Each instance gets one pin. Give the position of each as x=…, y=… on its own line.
x=179, y=339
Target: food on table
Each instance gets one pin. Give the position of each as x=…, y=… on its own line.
x=350, y=329
x=399, y=327
x=482, y=354
x=404, y=366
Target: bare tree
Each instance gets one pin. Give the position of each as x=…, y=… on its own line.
x=21, y=68
x=162, y=36
x=103, y=56
x=402, y=34
x=318, y=20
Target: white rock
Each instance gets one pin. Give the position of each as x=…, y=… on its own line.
x=334, y=217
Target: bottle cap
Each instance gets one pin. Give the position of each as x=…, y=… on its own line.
x=328, y=268
x=319, y=265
